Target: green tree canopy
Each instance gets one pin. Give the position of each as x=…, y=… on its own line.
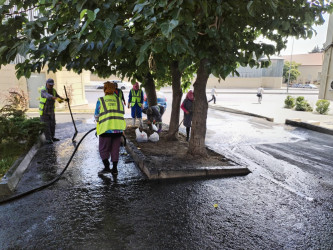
x=107, y=36
x=219, y=36
x=293, y=69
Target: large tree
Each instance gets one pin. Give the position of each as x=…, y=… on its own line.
x=214, y=36
x=221, y=35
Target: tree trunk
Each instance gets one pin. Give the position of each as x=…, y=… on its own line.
x=197, y=146
x=176, y=99
x=150, y=90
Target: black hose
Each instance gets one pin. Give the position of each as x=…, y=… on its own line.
x=15, y=197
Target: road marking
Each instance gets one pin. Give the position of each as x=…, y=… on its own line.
x=290, y=189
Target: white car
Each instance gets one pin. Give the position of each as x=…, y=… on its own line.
x=124, y=85
x=310, y=86
x=121, y=85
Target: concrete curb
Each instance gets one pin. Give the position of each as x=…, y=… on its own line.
x=154, y=172
x=309, y=126
x=9, y=182
x=236, y=111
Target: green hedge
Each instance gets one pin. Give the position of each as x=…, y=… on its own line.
x=322, y=106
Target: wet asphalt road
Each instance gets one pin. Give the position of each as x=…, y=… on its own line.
x=285, y=203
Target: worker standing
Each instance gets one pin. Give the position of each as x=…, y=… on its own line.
x=135, y=99
x=48, y=96
x=109, y=114
x=187, y=107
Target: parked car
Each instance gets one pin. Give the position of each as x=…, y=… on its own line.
x=121, y=85
x=297, y=85
x=310, y=86
x=161, y=100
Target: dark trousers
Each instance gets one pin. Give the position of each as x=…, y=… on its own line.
x=213, y=98
x=50, y=124
x=109, y=145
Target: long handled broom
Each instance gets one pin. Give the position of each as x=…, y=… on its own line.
x=69, y=106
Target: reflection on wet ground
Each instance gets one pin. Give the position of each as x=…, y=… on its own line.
x=84, y=211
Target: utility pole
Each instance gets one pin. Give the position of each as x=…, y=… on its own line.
x=291, y=59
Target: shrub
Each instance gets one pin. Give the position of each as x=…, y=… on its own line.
x=14, y=125
x=322, y=106
x=289, y=102
x=302, y=104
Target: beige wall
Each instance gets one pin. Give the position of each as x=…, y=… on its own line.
x=325, y=90
x=74, y=84
x=8, y=79
x=71, y=80
x=309, y=73
x=237, y=82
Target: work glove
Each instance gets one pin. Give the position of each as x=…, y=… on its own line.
x=59, y=100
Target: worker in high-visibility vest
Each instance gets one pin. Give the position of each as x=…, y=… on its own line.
x=135, y=100
x=48, y=96
x=109, y=114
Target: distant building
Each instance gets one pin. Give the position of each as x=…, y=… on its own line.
x=270, y=77
x=326, y=81
x=310, y=66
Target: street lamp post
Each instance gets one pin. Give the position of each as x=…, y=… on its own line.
x=291, y=59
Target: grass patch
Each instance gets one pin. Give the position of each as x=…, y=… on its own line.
x=9, y=153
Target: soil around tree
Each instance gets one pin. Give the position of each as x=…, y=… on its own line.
x=174, y=153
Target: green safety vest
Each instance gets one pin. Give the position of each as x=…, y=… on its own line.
x=111, y=114
x=136, y=97
x=42, y=100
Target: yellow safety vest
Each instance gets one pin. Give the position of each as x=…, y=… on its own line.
x=42, y=100
x=136, y=97
x=111, y=114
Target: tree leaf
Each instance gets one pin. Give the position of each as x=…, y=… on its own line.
x=99, y=45
x=158, y=46
x=138, y=7
x=80, y=4
x=63, y=45
x=23, y=49
x=3, y=49
x=167, y=27
x=73, y=49
x=83, y=12
x=116, y=36
x=144, y=47
x=250, y=8
x=140, y=59
x=273, y=4
x=91, y=15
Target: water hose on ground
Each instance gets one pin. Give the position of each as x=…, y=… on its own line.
x=15, y=197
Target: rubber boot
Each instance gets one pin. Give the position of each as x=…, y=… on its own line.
x=133, y=122
x=141, y=124
x=114, y=169
x=106, y=167
x=187, y=133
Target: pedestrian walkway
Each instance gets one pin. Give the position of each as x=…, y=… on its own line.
x=272, y=106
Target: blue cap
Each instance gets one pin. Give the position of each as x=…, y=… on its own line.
x=50, y=81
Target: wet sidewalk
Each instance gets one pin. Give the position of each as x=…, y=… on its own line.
x=272, y=108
